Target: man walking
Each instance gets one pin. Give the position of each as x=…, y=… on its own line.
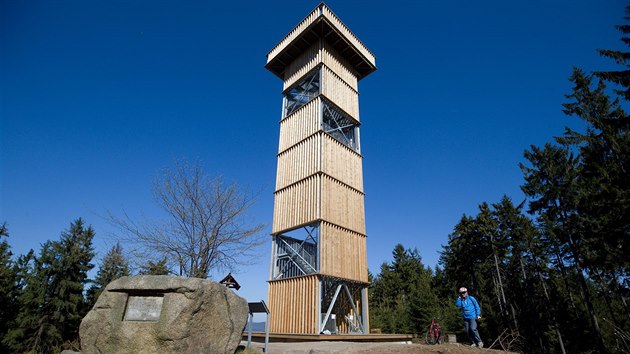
x=471, y=313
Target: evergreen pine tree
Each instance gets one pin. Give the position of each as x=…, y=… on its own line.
x=8, y=287
x=580, y=191
x=401, y=297
x=76, y=252
x=23, y=269
x=619, y=77
x=52, y=303
x=114, y=266
x=155, y=268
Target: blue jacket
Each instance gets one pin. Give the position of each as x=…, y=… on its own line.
x=470, y=307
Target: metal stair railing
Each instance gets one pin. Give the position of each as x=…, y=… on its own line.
x=296, y=258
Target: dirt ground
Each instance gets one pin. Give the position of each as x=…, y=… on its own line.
x=368, y=348
x=422, y=349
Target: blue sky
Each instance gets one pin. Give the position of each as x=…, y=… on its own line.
x=97, y=96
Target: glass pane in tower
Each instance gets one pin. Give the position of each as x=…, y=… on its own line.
x=302, y=92
x=340, y=127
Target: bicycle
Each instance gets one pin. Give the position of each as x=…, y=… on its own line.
x=434, y=334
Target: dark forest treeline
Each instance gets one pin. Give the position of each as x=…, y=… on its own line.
x=553, y=270
x=44, y=296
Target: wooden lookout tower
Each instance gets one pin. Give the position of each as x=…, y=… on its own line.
x=319, y=274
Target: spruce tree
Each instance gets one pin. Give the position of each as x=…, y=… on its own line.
x=580, y=191
x=23, y=269
x=155, y=268
x=619, y=77
x=8, y=287
x=114, y=266
x=499, y=256
x=52, y=303
x=76, y=252
x=401, y=297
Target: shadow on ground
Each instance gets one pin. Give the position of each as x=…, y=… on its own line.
x=367, y=348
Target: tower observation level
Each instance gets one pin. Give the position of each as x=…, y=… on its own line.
x=318, y=279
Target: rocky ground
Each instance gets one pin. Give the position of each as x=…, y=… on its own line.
x=422, y=349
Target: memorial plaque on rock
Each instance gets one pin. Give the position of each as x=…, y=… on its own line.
x=143, y=308
x=164, y=314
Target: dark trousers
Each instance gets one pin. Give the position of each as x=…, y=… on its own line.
x=471, y=328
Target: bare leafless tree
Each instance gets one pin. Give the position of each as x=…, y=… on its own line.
x=206, y=226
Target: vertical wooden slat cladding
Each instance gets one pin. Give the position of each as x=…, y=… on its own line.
x=306, y=62
x=343, y=253
x=340, y=93
x=303, y=160
x=296, y=204
x=339, y=66
x=298, y=162
x=342, y=205
x=300, y=124
x=341, y=162
x=318, y=53
x=292, y=306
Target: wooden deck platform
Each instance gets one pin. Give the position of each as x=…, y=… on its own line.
x=286, y=337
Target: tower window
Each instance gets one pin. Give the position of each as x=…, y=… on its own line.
x=302, y=92
x=340, y=127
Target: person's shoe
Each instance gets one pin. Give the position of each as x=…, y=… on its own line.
x=473, y=345
x=480, y=344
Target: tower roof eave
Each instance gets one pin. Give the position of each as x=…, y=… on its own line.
x=321, y=23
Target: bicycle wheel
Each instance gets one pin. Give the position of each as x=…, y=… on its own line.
x=440, y=337
x=429, y=338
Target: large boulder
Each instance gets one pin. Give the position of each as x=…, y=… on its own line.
x=164, y=314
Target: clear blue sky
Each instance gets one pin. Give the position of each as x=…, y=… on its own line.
x=98, y=96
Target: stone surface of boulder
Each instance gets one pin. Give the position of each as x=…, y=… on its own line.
x=164, y=314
